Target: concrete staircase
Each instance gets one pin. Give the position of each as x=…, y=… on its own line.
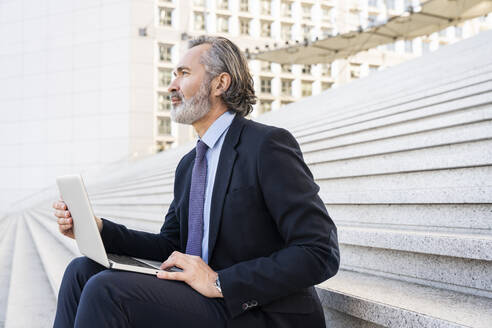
x=404, y=161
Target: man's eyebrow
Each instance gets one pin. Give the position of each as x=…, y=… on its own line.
x=180, y=69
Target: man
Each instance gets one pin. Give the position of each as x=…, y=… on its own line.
x=246, y=224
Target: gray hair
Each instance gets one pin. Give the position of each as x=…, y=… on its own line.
x=225, y=56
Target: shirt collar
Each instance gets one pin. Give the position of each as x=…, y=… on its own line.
x=215, y=131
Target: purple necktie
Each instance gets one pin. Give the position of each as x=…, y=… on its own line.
x=197, y=199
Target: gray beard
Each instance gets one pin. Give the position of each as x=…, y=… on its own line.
x=193, y=109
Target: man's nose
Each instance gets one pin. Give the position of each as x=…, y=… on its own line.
x=173, y=86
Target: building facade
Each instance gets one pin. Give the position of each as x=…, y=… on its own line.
x=259, y=24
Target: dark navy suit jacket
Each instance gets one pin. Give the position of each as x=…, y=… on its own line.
x=271, y=238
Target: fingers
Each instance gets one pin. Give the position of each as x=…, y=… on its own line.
x=64, y=221
x=63, y=214
x=60, y=205
x=176, y=259
x=171, y=275
x=65, y=224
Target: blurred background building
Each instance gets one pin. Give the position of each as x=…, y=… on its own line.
x=83, y=84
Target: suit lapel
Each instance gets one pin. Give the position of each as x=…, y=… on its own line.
x=222, y=178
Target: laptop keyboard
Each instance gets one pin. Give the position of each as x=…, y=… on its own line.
x=123, y=259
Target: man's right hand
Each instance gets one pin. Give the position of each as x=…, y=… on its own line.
x=65, y=222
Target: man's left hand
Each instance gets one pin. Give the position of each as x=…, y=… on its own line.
x=196, y=273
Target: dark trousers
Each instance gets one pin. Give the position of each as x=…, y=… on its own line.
x=92, y=296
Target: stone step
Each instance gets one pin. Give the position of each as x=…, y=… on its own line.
x=440, y=117
x=159, y=188
x=453, y=218
x=460, y=186
x=133, y=213
x=7, y=246
x=54, y=255
x=468, y=88
x=48, y=222
x=151, y=200
x=406, y=141
x=31, y=302
x=469, y=246
x=451, y=156
x=393, y=303
x=132, y=182
x=452, y=273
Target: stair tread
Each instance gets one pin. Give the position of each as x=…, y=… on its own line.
x=407, y=301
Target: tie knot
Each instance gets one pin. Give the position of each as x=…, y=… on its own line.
x=201, y=148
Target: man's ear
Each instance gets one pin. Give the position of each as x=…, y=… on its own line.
x=221, y=84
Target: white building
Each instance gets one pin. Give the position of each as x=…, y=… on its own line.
x=84, y=83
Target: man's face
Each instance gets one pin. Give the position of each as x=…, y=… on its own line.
x=190, y=92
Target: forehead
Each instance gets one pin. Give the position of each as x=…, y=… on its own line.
x=192, y=57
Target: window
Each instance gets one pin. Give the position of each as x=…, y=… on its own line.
x=327, y=32
x=199, y=22
x=266, y=29
x=162, y=145
x=266, y=8
x=307, y=31
x=390, y=46
x=165, y=16
x=326, y=85
x=286, y=87
x=286, y=8
x=164, y=125
x=163, y=102
x=165, y=77
x=244, y=26
x=265, y=66
x=286, y=31
x=306, y=11
x=390, y=4
x=244, y=5
x=372, y=19
x=443, y=32
x=409, y=46
x=223, y=4
x=265, y=85
x=307, y=88
x=373, y=3
x=223, y=24
x=355, y=70
x=326, y=14
x=306, y=69
x=199, y=3
x=165, y=51
x=286, y=68
x=326, y=69
x=373, y=68
x=265, y=106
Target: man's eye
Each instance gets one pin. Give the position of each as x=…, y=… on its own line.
x=184, y=73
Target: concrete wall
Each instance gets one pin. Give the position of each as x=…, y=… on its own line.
x=75, y=89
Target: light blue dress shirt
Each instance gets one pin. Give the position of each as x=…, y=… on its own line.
x=213, y=138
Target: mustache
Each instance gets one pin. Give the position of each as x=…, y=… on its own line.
x=176, y=94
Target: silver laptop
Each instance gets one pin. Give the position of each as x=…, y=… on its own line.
x=89, y=241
